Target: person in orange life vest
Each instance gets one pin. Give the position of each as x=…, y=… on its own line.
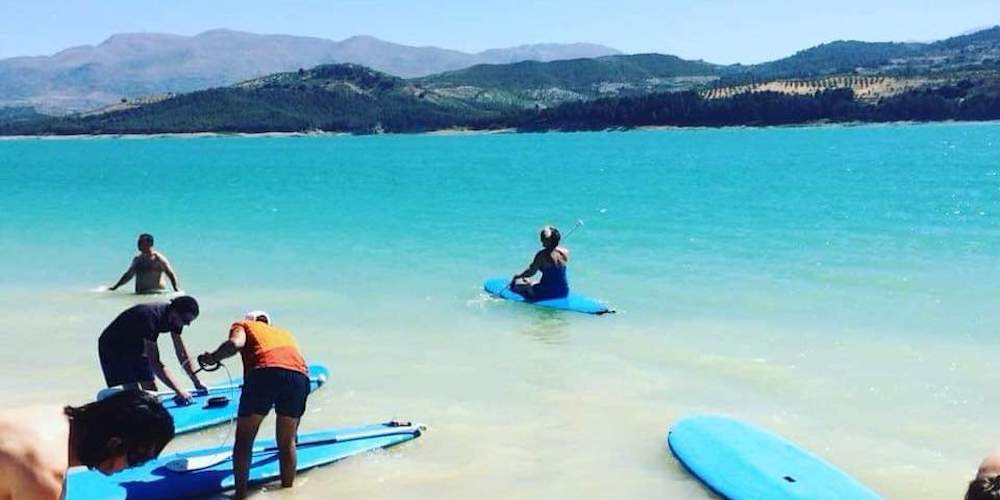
x=275, y=375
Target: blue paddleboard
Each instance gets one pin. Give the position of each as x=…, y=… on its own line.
x=159, y=479
x=572, y=302
x=198, y=415
x=740, y=461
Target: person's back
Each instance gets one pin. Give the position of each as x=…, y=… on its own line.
x=554, y=282
x=39, y=444
x=269, y=346
x=33, y=458
x=125, y=334
x=551, y=261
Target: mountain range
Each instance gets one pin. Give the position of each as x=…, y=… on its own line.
x=956, y=78
x=140, y=64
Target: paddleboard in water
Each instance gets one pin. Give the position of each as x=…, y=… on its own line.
x=161, y=478
x=740, y=461
x=225, y=399
x=572, y=302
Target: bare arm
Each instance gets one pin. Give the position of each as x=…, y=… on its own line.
x=237, y=339
x=185, y=360
x=153, y=354
x=169, y=272
x=531, y=270
x=129, y=273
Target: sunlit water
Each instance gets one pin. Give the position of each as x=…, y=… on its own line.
x=836, y=285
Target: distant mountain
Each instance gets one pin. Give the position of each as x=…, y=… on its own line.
x=543, y=84
x=338, y=97
x=131, y=66
x=141, y=64
x=543, y=52
x=957, y=78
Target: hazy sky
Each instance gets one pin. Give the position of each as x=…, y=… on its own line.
x=722, y=31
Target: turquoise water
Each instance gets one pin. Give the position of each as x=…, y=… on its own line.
x=835, y=284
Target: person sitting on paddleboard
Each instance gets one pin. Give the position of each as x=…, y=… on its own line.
x=551, y=260
x=275, y=376
x=986, y=485
x=38, y=444
x=128, y=351
x=148, y=268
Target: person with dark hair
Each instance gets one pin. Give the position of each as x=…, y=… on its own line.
x=128, y=349
x=275, y=375
x=148, y=268
x=39, y=444
x=986, y=485
x=551, y=260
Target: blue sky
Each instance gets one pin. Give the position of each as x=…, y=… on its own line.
x=723, y=31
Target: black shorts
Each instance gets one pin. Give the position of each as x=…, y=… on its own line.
x=120, y=370
x=284, y=390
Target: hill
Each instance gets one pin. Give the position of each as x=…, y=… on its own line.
x=139, y=64
x=973, y=51
x=542, y=84
x=340, y=98
x=957, y=78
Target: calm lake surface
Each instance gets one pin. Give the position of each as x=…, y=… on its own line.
x=836, y=285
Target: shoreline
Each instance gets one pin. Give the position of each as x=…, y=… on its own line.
x=448, y=132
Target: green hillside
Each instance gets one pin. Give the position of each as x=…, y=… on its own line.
x=343, y=98
x=973, y=51
x=530, y=84
x=952, y=79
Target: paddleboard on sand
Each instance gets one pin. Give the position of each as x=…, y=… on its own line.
x=573, y=302
x=205, y=413
x=740, y=461
x=160, y=479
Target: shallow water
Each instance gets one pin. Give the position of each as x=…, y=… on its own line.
x=836, y=285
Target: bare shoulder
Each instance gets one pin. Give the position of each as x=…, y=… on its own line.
x=34, y=479
x=33, y=452
x=563, y=252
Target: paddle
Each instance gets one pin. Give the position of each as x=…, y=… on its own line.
x=579, y=224
x=196, y=463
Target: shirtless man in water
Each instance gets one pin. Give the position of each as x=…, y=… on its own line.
x=148, y=269
x=39, y=444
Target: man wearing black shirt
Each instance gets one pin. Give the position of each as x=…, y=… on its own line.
x=128, y=351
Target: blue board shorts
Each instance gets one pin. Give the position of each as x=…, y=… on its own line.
x=120, y=370
x=284, y=390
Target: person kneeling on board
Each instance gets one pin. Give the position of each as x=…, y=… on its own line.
x=128, y=351
x=551, y=260
x=39, y=444
x=275, y=376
